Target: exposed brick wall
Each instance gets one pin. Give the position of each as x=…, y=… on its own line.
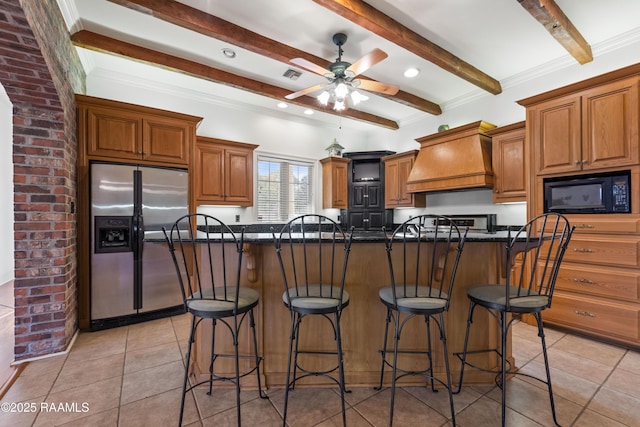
x=40, y=71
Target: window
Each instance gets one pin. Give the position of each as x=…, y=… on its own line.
x=284, y=188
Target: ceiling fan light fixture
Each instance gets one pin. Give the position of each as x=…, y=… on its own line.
x=339, y=105
x=324, y=97
x=341, y=90
x=357, y=97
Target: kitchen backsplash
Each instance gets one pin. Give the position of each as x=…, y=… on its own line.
x=447, y=203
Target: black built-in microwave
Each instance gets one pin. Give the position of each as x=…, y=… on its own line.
x=588, y=194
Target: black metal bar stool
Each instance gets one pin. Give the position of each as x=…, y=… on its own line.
x=423, y=255
x=208, y=264
x=313, y=252
x=542, y=243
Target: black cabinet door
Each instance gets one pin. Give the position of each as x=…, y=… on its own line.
x=357, y=220
x=373, y=196
x=366, y=196
x=358, y=197
x=376, y=220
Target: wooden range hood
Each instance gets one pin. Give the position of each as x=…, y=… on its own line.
x=455, y=159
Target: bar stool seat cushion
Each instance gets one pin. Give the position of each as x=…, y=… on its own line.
x=420, y=298
x=299, y=298
x=205, y=306
x=494, y=297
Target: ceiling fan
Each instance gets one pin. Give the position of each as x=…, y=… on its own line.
x=342, y=84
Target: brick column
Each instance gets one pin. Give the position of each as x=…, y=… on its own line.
x=40, y=72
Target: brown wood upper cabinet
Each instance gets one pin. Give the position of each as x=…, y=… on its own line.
x=396, y=171
x=223, y=172
x=589, y=130
x=509, y=163
x=121, y=131
x=335, y=182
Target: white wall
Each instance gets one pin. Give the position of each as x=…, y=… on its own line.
x=306, y=138
x=6, y=181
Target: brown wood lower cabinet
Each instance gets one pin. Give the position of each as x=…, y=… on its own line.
x=362, y=321
x=606, y=318
x=598, y=285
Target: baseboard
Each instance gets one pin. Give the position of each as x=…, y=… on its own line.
x=16, y=371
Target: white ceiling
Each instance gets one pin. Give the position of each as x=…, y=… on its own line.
x=499, y=37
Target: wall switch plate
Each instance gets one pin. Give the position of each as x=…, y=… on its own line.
x=237, y=218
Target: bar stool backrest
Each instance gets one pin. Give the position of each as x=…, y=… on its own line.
x=424, y=252
x=540, y=244
x=207, y=255
x=313, y=251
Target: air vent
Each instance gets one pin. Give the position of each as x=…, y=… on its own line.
x=292, y=74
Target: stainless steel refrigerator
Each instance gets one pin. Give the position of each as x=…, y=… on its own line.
x=132, y=274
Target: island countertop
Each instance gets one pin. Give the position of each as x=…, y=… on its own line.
x=358, y=236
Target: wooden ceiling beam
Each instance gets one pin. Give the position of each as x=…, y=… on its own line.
x=99, y=43
x=364, y=15
x=549, y=14
x=209, y=25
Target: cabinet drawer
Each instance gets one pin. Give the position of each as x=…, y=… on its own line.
x=615, y=320
x=623, y=284
x=593, y=249
x=605, y=224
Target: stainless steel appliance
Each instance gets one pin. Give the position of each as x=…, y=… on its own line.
x=477, y=223
x=132, y=275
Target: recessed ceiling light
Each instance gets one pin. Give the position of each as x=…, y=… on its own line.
x=411, y=72
x=229, y=53
x=282, y=105
x=308, y=112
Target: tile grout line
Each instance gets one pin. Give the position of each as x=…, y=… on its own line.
x=600, y=387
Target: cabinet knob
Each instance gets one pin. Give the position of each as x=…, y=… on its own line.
x=584, y=162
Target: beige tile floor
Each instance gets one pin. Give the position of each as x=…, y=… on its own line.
x=7, y=340
x=131, y=376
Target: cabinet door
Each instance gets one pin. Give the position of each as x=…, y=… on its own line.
x=339, y=185
x=509, y=167
x=404, y=168
x=610, y=125
x=334, y=183
x=209, y=173
x=358, y=199
x=372, y=196
x=356, y=219
x=238, y=175
x=376, y=220
x=113, y=133
x=392, y=183
x=555, y=130
x=166, y=140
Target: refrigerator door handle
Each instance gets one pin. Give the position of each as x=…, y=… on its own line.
x=138, y=236
x=138, y=233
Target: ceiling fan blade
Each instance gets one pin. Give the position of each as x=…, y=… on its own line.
x=366, y=62
x=373, y=86
x=309, y=66
x=305, y=91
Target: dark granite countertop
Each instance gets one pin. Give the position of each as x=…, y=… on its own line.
x=265, y=237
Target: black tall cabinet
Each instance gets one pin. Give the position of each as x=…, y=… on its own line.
x=366, y=210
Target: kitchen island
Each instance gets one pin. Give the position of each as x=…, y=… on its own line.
x=363, y=320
